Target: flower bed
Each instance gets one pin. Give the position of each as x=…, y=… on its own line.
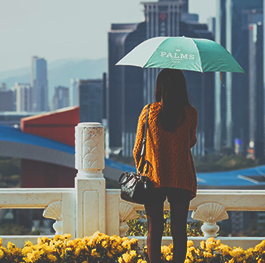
x=100, y=248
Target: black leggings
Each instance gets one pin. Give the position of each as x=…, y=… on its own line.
x=155, y=217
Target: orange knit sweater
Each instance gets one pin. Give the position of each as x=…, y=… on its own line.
x=169, y=154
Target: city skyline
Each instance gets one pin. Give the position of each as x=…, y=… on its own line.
x=46, y=30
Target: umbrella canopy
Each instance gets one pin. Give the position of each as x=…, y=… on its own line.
x=184, y=53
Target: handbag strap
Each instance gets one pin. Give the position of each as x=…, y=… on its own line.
x=142, y=160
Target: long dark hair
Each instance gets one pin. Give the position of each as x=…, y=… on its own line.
x=171, y=91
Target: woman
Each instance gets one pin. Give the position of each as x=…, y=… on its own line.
x=171, y=133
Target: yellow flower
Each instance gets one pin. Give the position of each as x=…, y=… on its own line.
x=165, y=250
x=133, y=253
x=94, y=253
x=120, y=249
x=41, y=240
x=126, y=244
x=236, y=252
x=77, y=251
x=1, y=253
x=202, y=244
x=260, y=247
x=210, y=243
x=47, y=249
x=57, y=237
x=34, y=256
x=10, y=246
x=67, y=236
x=120, y=260
x=27, y=250
x=224, y=249
x=207, y=254
x=52, y=258
x=104, y=244
x=134, y=243
x=127, y=258
x=70, y=243
x=190, y=243
x=189, y=256
x=169, y=258
x=28, y=244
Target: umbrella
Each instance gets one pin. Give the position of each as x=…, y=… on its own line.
x=195, y=54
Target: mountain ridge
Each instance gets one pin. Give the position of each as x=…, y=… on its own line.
x=59, y=72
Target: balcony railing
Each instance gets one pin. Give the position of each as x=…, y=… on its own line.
x=90, y=207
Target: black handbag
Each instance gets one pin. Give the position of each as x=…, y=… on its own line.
x=136, y=187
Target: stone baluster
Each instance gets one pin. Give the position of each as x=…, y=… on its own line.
x=54, y=211
x=210, y=213
x=89, y=182
x=126, y=212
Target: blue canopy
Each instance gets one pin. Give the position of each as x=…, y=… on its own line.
x=251, y=177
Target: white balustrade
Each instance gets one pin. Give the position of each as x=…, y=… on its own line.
x=90, y=207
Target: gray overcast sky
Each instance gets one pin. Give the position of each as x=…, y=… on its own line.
x=63, y=29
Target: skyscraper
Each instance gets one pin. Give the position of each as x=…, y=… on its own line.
x=125, y=89
x=73, y=93
x=39, y=84
x=90, y=100
x=130, y=88
x=256, y=94
x=162, y=19
x=231, y=102
x=6, y=99
x=61, y=97
x=170, y=18
x=23, y=96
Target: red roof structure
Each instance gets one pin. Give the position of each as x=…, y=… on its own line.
x=59, y=126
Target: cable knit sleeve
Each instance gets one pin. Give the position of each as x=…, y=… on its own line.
x=194, y=124
x=139, y=137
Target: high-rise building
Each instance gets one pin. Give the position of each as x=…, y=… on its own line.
x=171, y=18
x=256, y=94
x=90, y=95
x=39, y=84
x=6, y=99
x=23, y=96
x=201, y=88
x=73, y=93
x=125, y=86
x=162, y=18
x=60, y=97
x=231, y=102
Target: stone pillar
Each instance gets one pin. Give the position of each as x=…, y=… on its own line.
x=89, y=182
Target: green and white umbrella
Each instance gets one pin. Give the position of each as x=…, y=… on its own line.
x=184, y=53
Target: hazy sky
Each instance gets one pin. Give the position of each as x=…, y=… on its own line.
x=63, y=29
